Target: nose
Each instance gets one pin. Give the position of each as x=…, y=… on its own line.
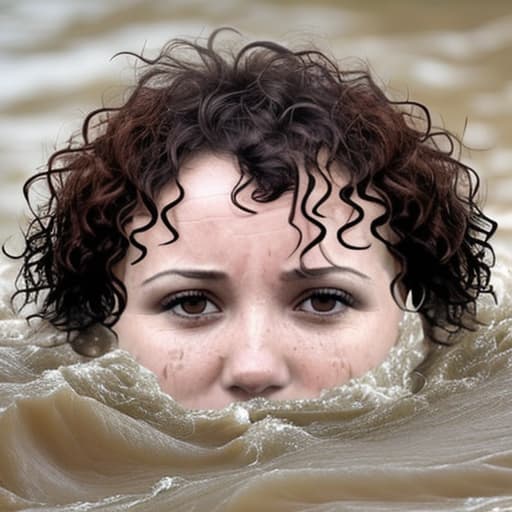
x=255, y=364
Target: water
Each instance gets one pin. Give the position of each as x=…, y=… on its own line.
x=98, y=434
x=55, y=59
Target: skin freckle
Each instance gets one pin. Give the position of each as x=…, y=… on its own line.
x=175, y=354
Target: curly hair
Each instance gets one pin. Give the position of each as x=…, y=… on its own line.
x=265, y=104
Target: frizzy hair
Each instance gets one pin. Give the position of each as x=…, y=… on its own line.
x=276, y=111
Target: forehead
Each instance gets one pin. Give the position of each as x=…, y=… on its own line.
x=209, y=180
x=212, y=229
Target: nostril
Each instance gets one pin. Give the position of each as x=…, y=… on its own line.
x=243, y=393
x=248, y=372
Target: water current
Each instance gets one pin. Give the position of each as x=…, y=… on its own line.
x=80, y=434
x=98, y=434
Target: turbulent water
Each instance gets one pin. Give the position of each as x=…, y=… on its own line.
x=87, y=435
x=98, y=434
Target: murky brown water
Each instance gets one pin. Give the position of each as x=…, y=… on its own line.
x=99, y=435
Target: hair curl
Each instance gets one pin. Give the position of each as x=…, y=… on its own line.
x=264, y=104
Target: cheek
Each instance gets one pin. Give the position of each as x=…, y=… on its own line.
x=173, y=360
x=150, y=344
x=319, y=359
x=184, y=366
x=331, y=357
x=372, y=342
x=329, y=370
x=145, y=343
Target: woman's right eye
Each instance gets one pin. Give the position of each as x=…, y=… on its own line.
x=190, y=304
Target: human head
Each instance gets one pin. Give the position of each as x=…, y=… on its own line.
x=286, y=117
x=230, y=310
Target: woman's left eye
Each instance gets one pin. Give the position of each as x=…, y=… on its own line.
x=325, y=302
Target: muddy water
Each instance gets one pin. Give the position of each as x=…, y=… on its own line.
x=98, y=434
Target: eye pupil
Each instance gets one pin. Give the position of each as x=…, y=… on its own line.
x=323, y=303
x=194, y=306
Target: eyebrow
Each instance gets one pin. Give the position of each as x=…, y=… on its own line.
x=311, y=273
x=290, y=275
x=190, y=274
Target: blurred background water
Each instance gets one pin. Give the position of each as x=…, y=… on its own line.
x=454, y=55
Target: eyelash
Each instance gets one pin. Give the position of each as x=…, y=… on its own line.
x=179, y=299
x=344, y=299
x=173, y=302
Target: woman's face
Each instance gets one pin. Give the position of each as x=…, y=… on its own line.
x=225, y=312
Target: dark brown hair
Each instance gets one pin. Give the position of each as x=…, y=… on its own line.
x=269, y=107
